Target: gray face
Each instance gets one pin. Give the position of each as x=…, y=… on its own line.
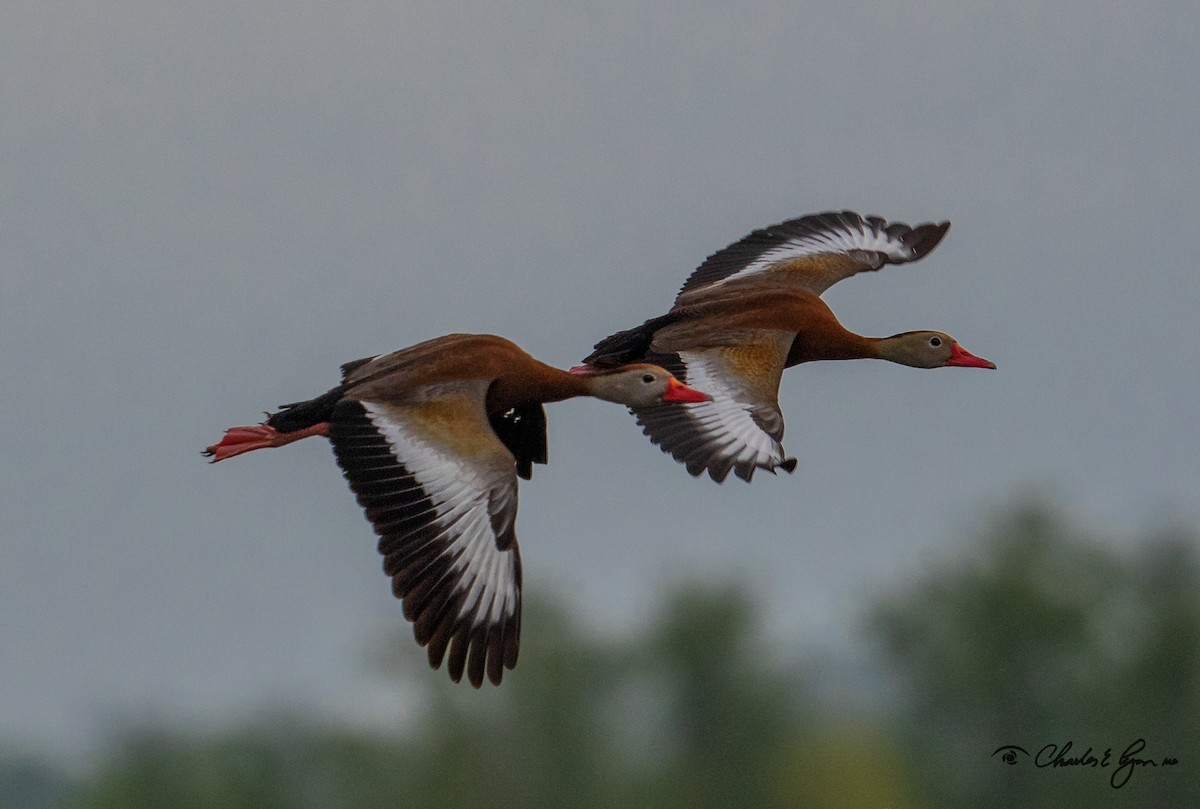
x=922, y=349
x=639, y=386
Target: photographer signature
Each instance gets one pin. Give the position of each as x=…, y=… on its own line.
x=1053, y=755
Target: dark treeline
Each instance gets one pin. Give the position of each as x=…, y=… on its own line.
x=1036, y=635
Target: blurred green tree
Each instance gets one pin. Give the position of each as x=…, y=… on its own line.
x=726, y=713
x=28, y=781
x=1038, y=634
x=271, y=764
x=1042, y=635
x=697, y=711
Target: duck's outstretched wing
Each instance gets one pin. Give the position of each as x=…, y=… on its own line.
x=741, y=427
x=815, y=251
x=440, y=488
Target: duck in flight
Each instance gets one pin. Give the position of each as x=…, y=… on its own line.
x=432, y=439
x=755, y=308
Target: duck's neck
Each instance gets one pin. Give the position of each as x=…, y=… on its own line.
x=538, y=383
x=601, y=386
x=846, y=346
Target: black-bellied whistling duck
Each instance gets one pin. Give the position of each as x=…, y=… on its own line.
x=432, y=439
x=754, y=309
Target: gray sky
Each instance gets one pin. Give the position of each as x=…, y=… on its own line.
x=206, y=208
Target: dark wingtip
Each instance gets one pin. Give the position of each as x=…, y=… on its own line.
x=923, y=238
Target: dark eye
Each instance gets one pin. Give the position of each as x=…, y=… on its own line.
x=935, y=341
x=647, y=378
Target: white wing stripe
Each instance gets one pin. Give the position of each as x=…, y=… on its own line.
x=841, y=241
x=461, y=503
x=731, y=431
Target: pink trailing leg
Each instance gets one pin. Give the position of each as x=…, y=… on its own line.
x=260, y=436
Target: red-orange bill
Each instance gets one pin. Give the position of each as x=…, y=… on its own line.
x=959, y=356
x=679, y=392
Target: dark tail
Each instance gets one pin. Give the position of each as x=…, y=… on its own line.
x=631, y=345
x=299, y=415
